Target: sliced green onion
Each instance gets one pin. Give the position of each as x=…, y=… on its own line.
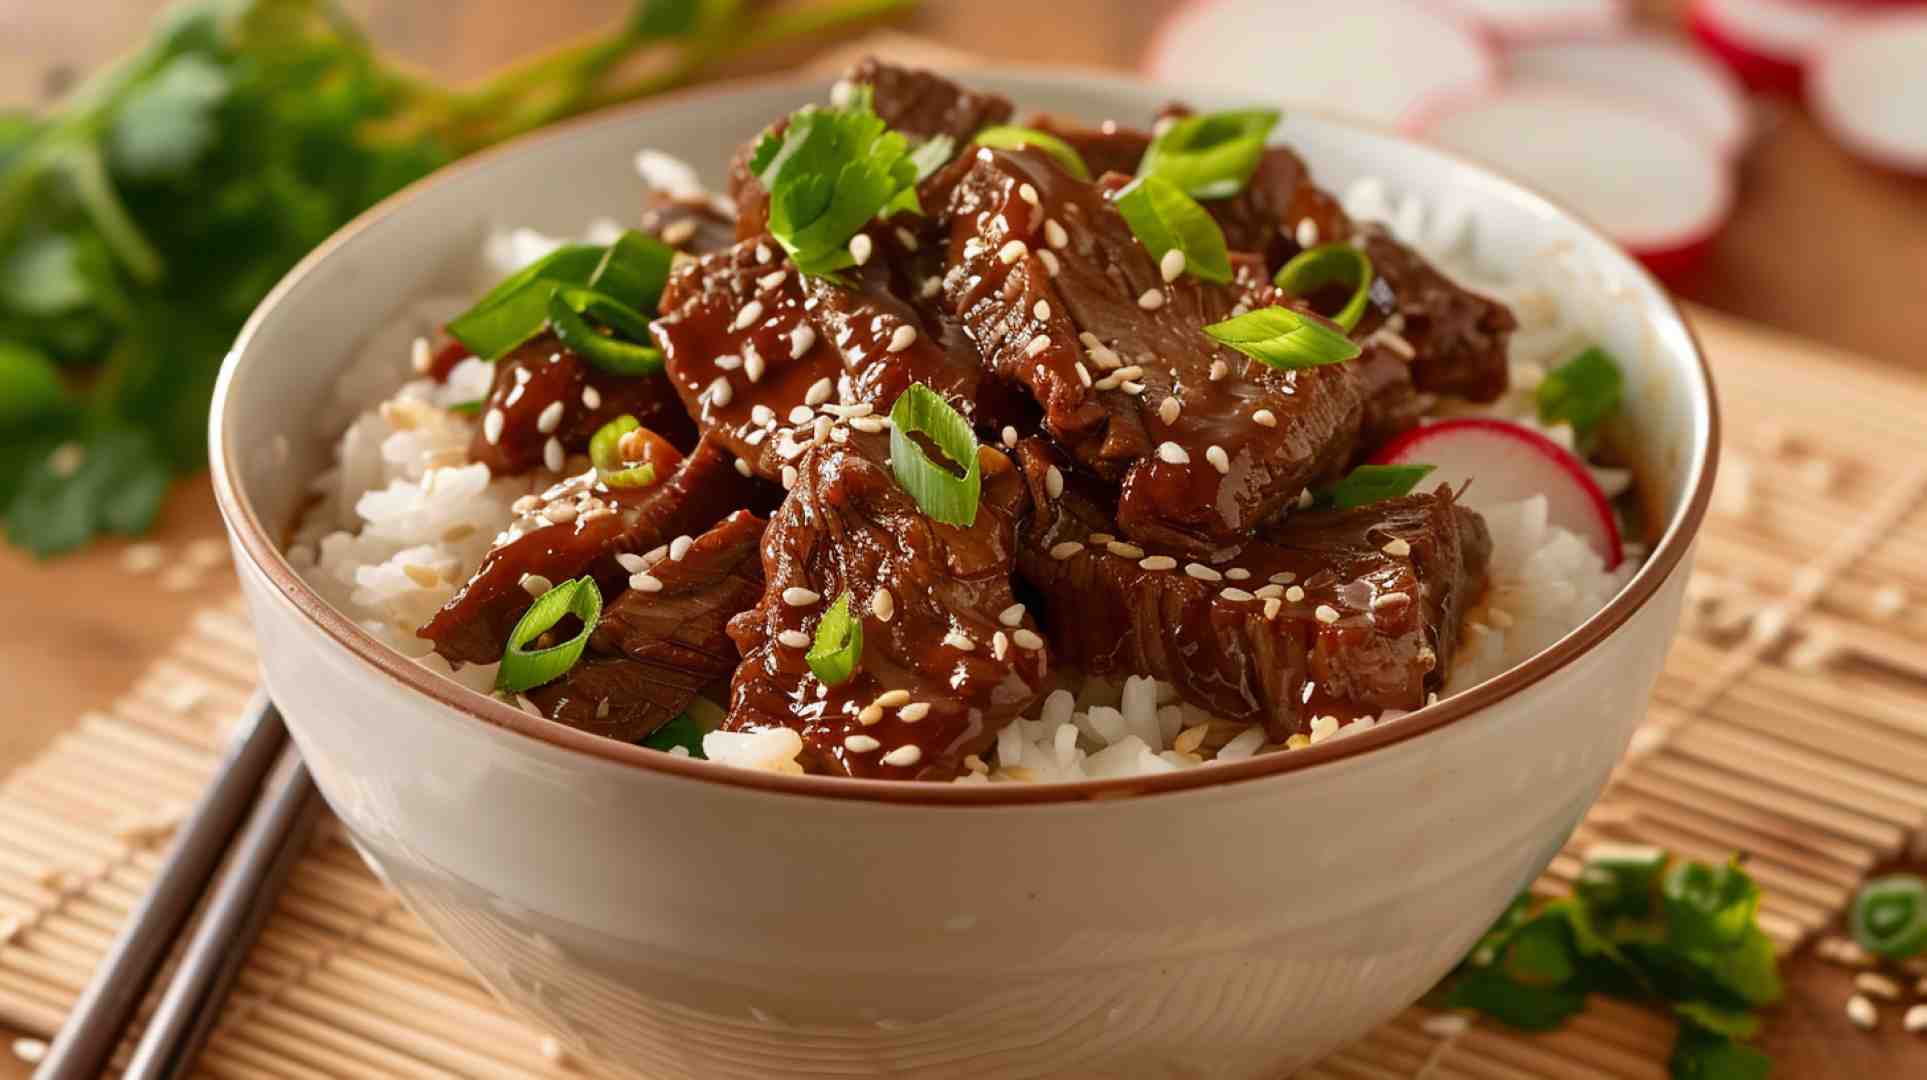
x=521, y=670
x=1368, y=484
x=1326, y=265
x=570, y=312
x=1283, y=338
x=1165, y=219
x=1890, y=916
x=941, y=493
x=605, y=454
x=682, y=730
x=514, y=310
x=1582, y=391
x=838, y=645
x=932, y=154
x=1012, y=137
x=467, y=408
x=1211, y=155
x=633, y=270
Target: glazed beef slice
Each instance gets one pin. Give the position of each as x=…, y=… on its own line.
x=656, y=648
x=542, y=376
x=947, y=657
x=1060, y=298
x=1340, y=613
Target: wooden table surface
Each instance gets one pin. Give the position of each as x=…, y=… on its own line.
x=1821, y=245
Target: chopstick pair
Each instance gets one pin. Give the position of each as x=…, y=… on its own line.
x=258, y=813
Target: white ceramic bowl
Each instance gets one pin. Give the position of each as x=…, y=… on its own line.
x=685, y=919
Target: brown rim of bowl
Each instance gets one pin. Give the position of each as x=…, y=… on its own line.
x=266, y=557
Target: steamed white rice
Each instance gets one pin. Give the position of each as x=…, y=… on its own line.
x=401, y=521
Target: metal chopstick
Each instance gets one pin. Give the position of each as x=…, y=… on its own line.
x=100, y=1016
x=270, y=845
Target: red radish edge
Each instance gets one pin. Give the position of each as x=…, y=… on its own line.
x=1761, y=65
x=1528, y=28
x=1155, y=60
x=1722, y=116
x=1668, y=257
x=1601, y=527
x=1836, y=115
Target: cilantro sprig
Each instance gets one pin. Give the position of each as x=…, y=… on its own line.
x=1639, y=925
x=829, y=172
x=144, y=217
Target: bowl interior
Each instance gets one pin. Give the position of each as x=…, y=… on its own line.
x=272, y=429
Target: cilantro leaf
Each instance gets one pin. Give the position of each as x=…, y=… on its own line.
x=1708, y=907
x=168, y=124
x=113, y=481
x=1529, y=1008
x=30, y=388
x=1702, y=1055
x=828, y=173
x=1582, y=392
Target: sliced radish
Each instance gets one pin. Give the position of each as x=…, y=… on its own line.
x=1673, y=78
x=1658, y=189
x=1371, y=59
x=1868, y=87
x=1765, y=42
x=1498, y=461
x=1515, y=21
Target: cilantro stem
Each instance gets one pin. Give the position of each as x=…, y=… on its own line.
x=802, y=21
x=83, y=165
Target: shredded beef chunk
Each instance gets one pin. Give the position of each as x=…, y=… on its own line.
x=743, y=353
x=946, y=661
x=544, y=392
x=688, y=223
x=474, y=625
x=1061, y=298
x=655, y=650
x=1244, y=639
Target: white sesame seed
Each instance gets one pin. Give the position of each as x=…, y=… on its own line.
x=797, y=596
x=1307, y=233
x=1880, y=986
x=902, y=338
x=860, y=248
x=761, y=414
x=802, y=340
x=553, y=455
x=1124, y=550
x=801, y=414
x=1915, y=1021
x=630, y=562
x=819, y=391
x=860, y=744
x=1151, y=300
x=1157, y=562
x=932, y=285
x=890, y=699
x=1041, y=309
x=752, y=363
x=1326, y=614
x=1238, y=573
x=883, y=605
x=822, y=429
x=1219, y=460
x=1026, y=639
x=870, y=714
x=907, y=238
x=678, y=232
x=1028, y=193
x=1323, y=727
x=1010, y=435
x=536, y=584
x=1037, y=345
x=492, y=426
x=1272, y=606
x=1173, y=454
x=1083, y=373
x=958, y=640
x=1055, y=235
x=999, y=644
x=916, y=710
x=679, y=548
x=1264, y=418
x=1011, y=615
x=1012, y=251
x=1295, y=594
x=1862, y=1013
x=744, y=467
x=1219, y=369
x=1168, y=410
x=1202, y=572
x=789, y=477
x=1049, y=259
x=750, y=312
x=1053, y=482
x=1270, y=591
x=1065, y=549
x=904, y=756
x=720, y=393
x=1172, y=265
x=795, y=639
x=645, y=583
x=1283, y=577
x=1397, y=547
x=1235, y=594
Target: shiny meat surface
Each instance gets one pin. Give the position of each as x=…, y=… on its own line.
x=580, y=527
x=1456, y=338
x=1061, y=298
x=945, y=660
x=743, y=354
x=544, y=394
x=1109, y=147
x=655, y=649
x=1339, y=613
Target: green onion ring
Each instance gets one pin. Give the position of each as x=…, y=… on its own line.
x=1889, y=916
x=521, y=670
x=605, y=455
x=1330, y=264
x=570, y=312
x=1012, y=137
x=942, y=494
x=838, y=644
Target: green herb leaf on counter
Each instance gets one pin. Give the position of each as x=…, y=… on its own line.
x=1680, y=935
x=829, y=172
x=1165, y=219
x=1012, y=137
x=145, y=216
x=1583, y=391
x=1210, y=155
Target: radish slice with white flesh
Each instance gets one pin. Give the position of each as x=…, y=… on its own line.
x=1370, y=59
x=1765, y=42
x=1868, y=87
x=1658, y=189
x=1516, y=21
x=1498, y=461
x=1672, y=78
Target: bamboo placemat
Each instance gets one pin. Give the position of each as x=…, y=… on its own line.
x=1791, y=723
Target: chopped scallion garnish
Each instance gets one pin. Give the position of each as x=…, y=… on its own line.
x=1323, y=267
x=1368, y=484
x=515, y=310
x=1889, y=916
x=570, y=311
x=1211, y=155
x=633, y=270
x=1012, y=137
x=828, y=173
x=939, y=491
x=1165, y=219
x=1582, y=391
x=521, y=669
x=605, y=454
x=683, y=729
x=1284, y=338
x=838, y=644
x=617, y=285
